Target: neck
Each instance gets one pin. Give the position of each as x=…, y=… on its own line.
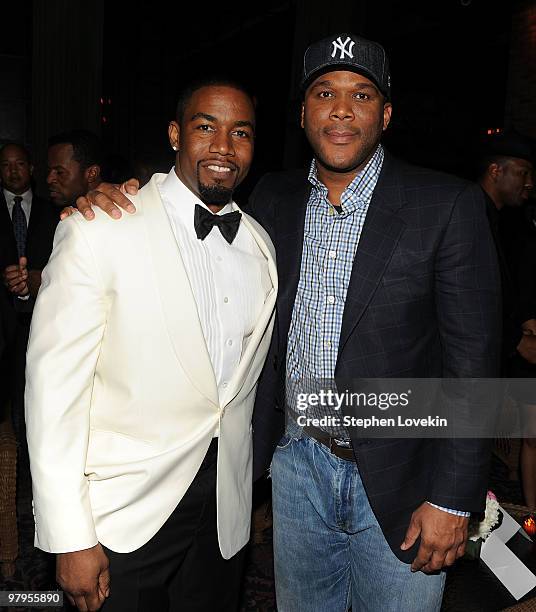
x=492, y=194
x=335, y=182
x=17, y=192
x=215, y=208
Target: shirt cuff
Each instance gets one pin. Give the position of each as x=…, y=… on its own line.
x=450, y=510
x=23, y=298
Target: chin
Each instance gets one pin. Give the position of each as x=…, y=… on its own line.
x=336, y=165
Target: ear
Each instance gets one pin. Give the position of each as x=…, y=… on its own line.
x=92, y=173
x=302, y=115
x=494, y=170
x=174, y=135
x=387, y=112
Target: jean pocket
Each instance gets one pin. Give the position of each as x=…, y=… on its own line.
x=284, y=442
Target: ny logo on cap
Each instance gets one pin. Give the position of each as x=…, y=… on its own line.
x=338, y=45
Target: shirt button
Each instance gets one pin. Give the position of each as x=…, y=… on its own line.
x=327, y=344
x=333, y=254
x=331, y=299
x=230, y=342
x=226, y=299
x=223, y=413
x=331, y=211
x=224, y=384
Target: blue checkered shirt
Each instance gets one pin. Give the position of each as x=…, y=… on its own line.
x=330, y=244
x=329, y=247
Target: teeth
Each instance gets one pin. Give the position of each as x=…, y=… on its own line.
x=219, y=168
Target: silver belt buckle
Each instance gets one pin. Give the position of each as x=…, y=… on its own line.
x=342, y=443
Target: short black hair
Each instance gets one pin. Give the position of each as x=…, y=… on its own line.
x=19, y=145
x=213, y=80
x=499, y=148
x=87, y=147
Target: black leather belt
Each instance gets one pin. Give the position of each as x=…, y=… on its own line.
x=343, y=452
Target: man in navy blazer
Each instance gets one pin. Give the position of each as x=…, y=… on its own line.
x=385, y=271
x=415, y=296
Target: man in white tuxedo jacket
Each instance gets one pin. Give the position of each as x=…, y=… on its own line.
x=148, y=337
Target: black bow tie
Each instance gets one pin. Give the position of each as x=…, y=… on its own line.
x=204, y=221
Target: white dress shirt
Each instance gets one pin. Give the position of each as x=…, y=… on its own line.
x=26, y=203
x=230, y=282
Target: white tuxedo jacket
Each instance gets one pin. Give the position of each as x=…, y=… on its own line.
x=121, y=397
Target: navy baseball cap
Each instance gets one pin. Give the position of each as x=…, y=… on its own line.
x=347, y=52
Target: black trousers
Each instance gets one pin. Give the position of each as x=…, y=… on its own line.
x=180, y=569
x=13, y=375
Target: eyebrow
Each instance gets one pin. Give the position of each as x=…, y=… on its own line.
x=360, y=85
x=242, y=123
x=245, y=124
x=203, y=116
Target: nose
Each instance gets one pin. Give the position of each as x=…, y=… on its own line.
x=50, y=177
x=529, y=182
x=342, y=109
x=222, y=143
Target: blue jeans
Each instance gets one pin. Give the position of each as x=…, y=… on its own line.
x=329, y=550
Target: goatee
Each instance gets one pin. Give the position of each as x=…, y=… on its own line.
x=217, y=195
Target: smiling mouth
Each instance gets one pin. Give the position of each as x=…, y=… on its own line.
x=219, y=169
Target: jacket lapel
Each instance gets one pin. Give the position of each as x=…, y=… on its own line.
x=176, y=296
x=289, y=236
x=381, y=232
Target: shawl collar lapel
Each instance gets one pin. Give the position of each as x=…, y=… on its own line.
x=178, y=302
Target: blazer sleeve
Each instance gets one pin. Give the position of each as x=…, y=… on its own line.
x=467, y=293
x=66, y=333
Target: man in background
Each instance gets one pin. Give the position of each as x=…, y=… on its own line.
x=506, y=177
x=27, y=226
x=74, y=166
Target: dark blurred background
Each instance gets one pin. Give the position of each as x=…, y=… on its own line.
x=461, y=69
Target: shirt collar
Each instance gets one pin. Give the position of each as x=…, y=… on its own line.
x=361, y=183
x=26, y=196
x=183, y=200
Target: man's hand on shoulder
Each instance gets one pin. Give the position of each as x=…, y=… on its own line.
x=84, y=577
x=443, y=537
x=108, y=197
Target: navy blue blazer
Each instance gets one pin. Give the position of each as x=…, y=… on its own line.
x=423, y=302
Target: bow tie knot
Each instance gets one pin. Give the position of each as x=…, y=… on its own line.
x=204, y=221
